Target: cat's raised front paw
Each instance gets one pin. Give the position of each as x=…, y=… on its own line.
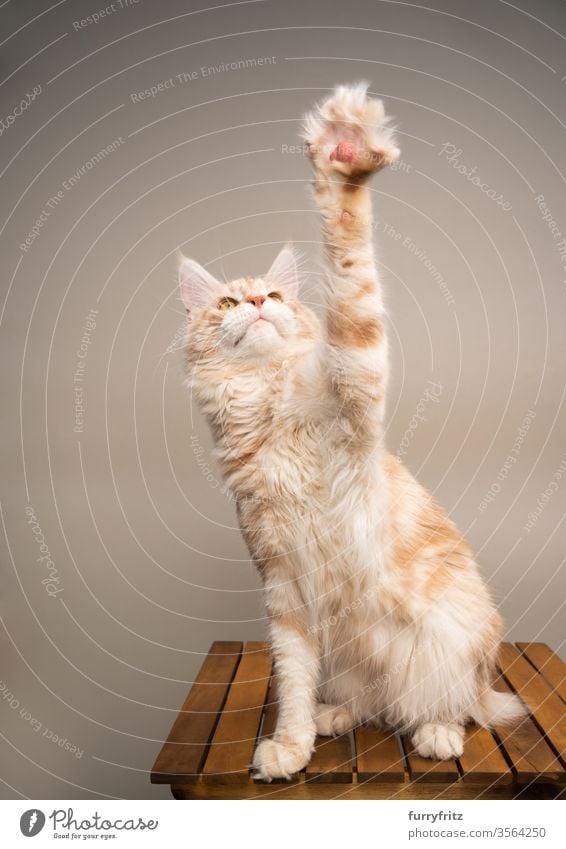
x=279, y=760
x=349, y=133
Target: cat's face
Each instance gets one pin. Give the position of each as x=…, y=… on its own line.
x=254, y=318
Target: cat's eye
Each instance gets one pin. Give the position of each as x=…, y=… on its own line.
x=275, y=296
x=227, y=303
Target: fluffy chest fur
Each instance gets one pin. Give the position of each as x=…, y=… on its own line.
x=297, y=467
x=303, y=494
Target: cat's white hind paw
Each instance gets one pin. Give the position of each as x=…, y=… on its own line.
x=349, y=133
x=332, y=720
x=434, y=740
x=279, y=760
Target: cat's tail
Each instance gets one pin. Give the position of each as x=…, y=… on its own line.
x=493, y=708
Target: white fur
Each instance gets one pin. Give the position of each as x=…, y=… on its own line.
x=433, y=740
x=332, y=720
x=495, y=708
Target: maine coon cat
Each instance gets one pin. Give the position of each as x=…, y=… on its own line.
x=376, y=607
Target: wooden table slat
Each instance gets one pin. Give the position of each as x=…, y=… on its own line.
x=425, y=769
x=331, y=762
x=546, y=707
x=378, y=756
x=184, y=751
x=550, y=666
x=482, y=761
x=234, y=740
x=530, y=755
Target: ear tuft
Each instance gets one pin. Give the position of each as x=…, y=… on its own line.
x=197, y=285
x=284, y=271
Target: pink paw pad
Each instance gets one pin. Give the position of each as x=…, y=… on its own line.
x=345, y=151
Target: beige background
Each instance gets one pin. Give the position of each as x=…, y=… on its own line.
x=150, y=564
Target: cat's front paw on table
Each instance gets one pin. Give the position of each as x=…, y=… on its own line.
x=279, y=760
x=349, y=133
x=439, y=741
x=333, y=720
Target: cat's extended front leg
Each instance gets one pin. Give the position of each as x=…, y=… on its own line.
x=348, y=140
x=296, y=666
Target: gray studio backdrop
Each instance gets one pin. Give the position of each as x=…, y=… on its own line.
x=163, y=125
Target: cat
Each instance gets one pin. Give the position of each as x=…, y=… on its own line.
x=377, y=611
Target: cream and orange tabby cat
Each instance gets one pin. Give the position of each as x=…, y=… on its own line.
x=376, y=608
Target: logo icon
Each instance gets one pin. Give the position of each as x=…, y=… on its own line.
x=31, y=822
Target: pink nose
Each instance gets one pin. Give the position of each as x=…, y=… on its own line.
x=257, y=300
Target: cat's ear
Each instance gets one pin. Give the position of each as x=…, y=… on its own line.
x=197, y=285
x=285, y=271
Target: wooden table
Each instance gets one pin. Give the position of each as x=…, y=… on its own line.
x=233, y=704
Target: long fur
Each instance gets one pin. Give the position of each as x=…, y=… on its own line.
x=495, y=708
x=377, y=609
